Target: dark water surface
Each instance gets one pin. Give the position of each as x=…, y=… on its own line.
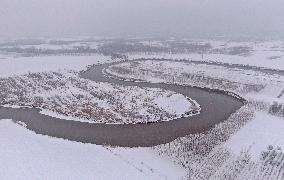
x=216, y=106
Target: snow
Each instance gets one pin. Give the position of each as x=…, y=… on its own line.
x=251, y=84
x=269, y=54
x=262, y=131
x=67, y=94
x=25, y=155
x=251, y=140
x=264, y=98
x=260, y=59
x=61, y=116
x=218, y=72
x=23, y=65
x=175, y=104
x=146, y=161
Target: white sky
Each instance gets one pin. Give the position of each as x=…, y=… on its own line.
x=142, y=17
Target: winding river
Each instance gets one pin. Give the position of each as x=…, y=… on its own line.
x=216, y=106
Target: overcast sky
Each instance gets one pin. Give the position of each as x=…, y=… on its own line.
x=184, y=18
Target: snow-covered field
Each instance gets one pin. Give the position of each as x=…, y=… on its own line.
x=248, y=145
x=25, y=155
x=260, y=59
x=262, y=131
x=263, y=54
x=22, y=65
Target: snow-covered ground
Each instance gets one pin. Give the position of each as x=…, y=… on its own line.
x=249, y=145
x=263, y=54
x=25, y=155
x=246, y=146
x=22, y=65
x=259, y=59
x=254, y=152
x=263, y=130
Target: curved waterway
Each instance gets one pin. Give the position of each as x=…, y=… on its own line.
x=216, y=106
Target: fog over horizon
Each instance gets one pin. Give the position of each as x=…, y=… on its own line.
x=151, y=18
